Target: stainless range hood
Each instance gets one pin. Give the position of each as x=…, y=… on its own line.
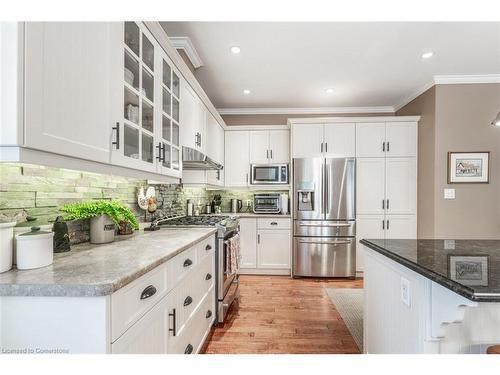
x=196, y=160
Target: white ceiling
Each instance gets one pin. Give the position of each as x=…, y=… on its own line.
x=290, y=64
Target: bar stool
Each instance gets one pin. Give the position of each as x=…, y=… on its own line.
x=494, y=349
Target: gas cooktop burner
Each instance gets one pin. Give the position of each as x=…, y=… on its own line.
x=205, y=220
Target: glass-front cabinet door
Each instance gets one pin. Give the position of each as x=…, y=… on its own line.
x=147, y=137
x=168, y=144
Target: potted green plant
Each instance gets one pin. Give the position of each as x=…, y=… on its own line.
x=103, y=215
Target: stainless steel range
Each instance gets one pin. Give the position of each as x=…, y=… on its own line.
x=227, y=226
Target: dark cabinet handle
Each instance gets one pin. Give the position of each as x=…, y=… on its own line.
x=387, y=224
x=188, y=262
x=387, y=204
x=148, y=292
x=174, y=323
x=387, y=146
x=189, y=349
x=383, y=224
x=208, y=314
x=161, y=152
x=208, y=277
x=208, y=247
x=383, y=146
x=274, y=223
x=188, y=301
x=117, y=142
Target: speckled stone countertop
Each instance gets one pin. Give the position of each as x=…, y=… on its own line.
x=470, y=268
x=97, y=270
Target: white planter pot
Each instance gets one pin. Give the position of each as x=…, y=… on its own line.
x=35, y=249
x=6, y=244
x=102, y=229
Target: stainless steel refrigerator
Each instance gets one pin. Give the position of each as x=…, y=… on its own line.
x=324, y=230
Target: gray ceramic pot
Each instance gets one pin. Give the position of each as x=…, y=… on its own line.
x=102, y=229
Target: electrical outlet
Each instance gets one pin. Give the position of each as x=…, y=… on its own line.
x=405, y=291
x=449, y=244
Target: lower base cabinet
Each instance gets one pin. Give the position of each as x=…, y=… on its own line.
x=265, y=246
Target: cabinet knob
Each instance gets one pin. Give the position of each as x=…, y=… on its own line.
x=188, y=262
x=208, y=277
x=148, y=292
x=189, y=349
x=208, y=247
x=208, y=314
x=274, y=223
x=188, y=301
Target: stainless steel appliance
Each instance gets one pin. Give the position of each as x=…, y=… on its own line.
x=267, y=203
x=227, y=285
x=324, y=232
x=236, y=205
x=272, y=174
x=196, y=160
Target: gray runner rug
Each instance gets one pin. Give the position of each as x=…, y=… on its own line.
x=349, y=304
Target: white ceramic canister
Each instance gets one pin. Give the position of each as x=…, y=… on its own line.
x=35, y=249
x=6, y=244
x=18, y=229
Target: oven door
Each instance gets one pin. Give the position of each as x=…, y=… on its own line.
x=324, y=256
x=269, y=174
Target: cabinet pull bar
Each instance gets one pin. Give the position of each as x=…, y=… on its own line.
x=387, y=204
x=387, y=146
x=326, y=146
x=383, y=224
x=258, y=238
x=388, y=224
x=174, y=323
x=383, y=146
x=149, y=291
x=117, y=142
x=383, y=204
x=321, y=146
x=271, y=153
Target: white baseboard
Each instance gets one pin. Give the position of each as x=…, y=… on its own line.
x=261, y=271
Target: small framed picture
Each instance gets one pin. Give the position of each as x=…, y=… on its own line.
x=470, y=270
x=468, y=167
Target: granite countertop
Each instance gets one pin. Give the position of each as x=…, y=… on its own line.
x=96, y=270
x=470, y=268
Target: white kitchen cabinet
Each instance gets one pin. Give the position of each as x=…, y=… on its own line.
x=367, y=227
x=237, y=161
x=273, y=249
x=370, y=138
x=386, y=139
x=148, y=336
x=307, y=140
x=401, y=139
x=370, y=186
x=400, y=226
x=400, y=185
x=248, y=242
x=339, y=139
x=269, y=146
x=68, y=73
x=279, y=146
x=259, y=146
x=193, y=115
x=324, y=139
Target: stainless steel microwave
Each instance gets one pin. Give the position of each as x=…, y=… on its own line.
x=263, y=174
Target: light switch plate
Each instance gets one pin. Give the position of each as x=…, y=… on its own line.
x=405, y=291
x=449, y=193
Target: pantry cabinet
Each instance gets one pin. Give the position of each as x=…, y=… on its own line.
x=386, y=139
x=323, y=139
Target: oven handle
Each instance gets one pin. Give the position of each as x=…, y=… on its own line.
x=325, y=242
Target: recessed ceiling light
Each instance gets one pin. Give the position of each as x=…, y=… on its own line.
x=329, y=91
x=235, y=49
x=246, y=91
x=427, y=55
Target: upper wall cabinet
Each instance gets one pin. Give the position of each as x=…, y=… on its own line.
x=193, y=114
x=68, y=73
x=386, y=139
x=237, y=168
x=269, y=146
x=323, y=139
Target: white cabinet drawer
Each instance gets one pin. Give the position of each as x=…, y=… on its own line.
x=273, y=223
x=180, y=265
x=206, y=247
x=132, y=301
x=190, y=339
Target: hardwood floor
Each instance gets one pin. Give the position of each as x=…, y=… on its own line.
x=277, y=314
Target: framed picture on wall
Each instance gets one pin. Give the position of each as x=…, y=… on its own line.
x=468, y=167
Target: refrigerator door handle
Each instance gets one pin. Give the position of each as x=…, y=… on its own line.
x=302, y=224
x=319, y=242
x=327, y=188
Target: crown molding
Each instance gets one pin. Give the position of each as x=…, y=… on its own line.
x=184, y=43
x=413, y=95
x=466, y=79
x=304, y=111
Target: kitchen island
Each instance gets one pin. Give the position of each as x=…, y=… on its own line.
x=431, y=296
x=153, y=292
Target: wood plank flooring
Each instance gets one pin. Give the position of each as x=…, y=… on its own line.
x=277, y=314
